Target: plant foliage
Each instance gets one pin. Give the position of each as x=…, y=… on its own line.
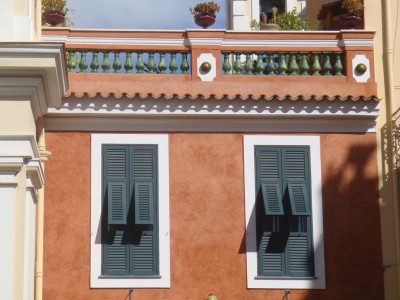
x=205, y=7
x=292, y=21
x=353, y=6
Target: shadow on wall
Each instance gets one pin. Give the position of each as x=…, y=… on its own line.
x=352, y=238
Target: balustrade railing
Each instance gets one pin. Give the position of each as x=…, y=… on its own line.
x=282, y=63
x=128, y=61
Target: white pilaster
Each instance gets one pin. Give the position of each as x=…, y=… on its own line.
x=32, y=78
x=17, y=20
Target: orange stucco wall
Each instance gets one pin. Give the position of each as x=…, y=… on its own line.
x=208, y=222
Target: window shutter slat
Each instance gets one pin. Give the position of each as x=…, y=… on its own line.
x=299, y=253
x=116, y=182
x=271, y=254
x=145, y=255
x=144, y=174
x=268, y=164
x=117, y=203
x=295, y=164
x=272, y=199
x=299, y=200
x=115, y=254
x=144, y=202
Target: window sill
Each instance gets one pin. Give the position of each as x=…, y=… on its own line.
x=130, y=277
x=284, y=278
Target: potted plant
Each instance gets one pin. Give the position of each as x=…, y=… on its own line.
x=55, y=13
x=292, y=21
x=354, y=10
x=204, y=13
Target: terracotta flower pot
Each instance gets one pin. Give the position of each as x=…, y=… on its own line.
x=352, y=20
x=53, y=17
x=204, y=20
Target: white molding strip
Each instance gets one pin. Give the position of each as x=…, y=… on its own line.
x=208, y=41
x=214, y=115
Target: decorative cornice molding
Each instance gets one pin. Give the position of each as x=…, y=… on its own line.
x=35, y=171
x=228, y=38
x=213, y=115
x=11, y=163
x=34, y=70
x=21, y=144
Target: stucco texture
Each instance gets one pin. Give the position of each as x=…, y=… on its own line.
x=208, y=222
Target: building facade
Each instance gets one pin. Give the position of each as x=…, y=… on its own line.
x=246, y=164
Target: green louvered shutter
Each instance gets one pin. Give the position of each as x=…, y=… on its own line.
x=117, y=208
x=115, y=193
x=269, y=179
x=299, y=250
x=270, y=254
x=145, y=180
x=272, y=198
x=299, y=255
x=299, y=200
x=116, y=253
x=144, y=212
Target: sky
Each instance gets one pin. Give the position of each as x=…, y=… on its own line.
x=135, y=14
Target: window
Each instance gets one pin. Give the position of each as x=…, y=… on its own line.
x=130, y=211
x=283, y=212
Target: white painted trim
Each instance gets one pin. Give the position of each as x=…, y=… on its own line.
x=19, y=144
x=209, y=58
x=317, y=282
x=162, y=281
x=211, y=41
x=213, y=115
x=34, y=170
x=41, y=68
x=361, y=59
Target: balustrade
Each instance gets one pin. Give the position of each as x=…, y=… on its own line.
x=282, y=63
x=128, y=61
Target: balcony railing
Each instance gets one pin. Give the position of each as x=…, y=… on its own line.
x=160, y=58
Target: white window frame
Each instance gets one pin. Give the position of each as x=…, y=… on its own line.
x=259, y=282
x=96, y=279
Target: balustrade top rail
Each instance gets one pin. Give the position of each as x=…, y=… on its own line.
x=327, y=54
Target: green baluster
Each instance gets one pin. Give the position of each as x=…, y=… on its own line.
x=94, y=65
x=316, y=66
x=71, y=61
x=293, y=66
x=226, y=66
x=128, y=62
x=173, y=67
x=117, y=64
x=304, y=66
x=151, y=65
x=327, y=67
x=338, y=67
x=83, y=64
x=248, y=67
x=259, y=69
x=162, y=66
x=184, y=63
x=282, y=64
x=105, y=65
x=237, y=66
x=271, y=67
x=139, y=63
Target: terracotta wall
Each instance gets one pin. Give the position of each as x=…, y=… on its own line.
x=208, y=222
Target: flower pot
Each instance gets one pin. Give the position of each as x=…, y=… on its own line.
x=270, y=26
x=53, y=17
x=352, y=20
x=204, y=19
